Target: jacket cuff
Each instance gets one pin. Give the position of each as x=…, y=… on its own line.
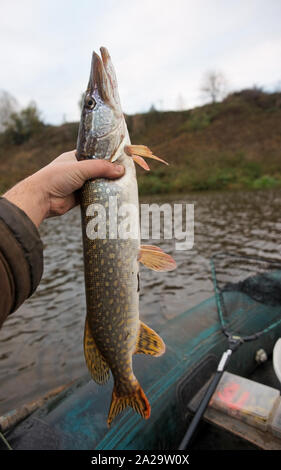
x=21, y=244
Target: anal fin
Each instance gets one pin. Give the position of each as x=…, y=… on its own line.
x=94, y=359
x=149, y=342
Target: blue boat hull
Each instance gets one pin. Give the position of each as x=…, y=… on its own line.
x=76, y=419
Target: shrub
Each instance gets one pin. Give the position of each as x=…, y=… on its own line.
x=252, y=170
x=265, y=181
x=198, y=121
x=23, y=125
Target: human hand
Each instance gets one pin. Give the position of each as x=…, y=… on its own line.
x=51, y=190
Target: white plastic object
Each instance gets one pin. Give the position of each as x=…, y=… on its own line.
x=275, y=424
x=261, y=356
x=246, y=400
x=277, y=359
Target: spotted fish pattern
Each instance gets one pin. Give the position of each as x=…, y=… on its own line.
x=111, y=276
x=113, y=331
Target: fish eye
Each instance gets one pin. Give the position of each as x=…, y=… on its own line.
x=90, y=103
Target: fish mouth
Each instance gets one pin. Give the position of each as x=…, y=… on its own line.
x=103, y=78
x=99, y=81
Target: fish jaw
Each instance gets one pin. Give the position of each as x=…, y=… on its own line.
x=102, y=128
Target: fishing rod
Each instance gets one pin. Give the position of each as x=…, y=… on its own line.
x=234, y=341
x=225, y=358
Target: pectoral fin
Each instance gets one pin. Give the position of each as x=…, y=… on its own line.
x=139, y=151
x=149, y=342
x=94, y=359
x=155, y=258
x=141, y=162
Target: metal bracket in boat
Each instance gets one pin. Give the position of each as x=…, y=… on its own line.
x=235, y=341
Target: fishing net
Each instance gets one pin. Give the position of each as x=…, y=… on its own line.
x=246, y=286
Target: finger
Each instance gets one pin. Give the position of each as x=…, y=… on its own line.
x=99, y=169
x=66, y=157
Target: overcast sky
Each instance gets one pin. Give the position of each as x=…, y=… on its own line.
x=160, y=49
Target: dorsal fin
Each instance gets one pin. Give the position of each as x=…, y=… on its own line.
x=94, y=359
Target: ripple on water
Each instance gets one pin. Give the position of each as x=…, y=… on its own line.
x=41, y=344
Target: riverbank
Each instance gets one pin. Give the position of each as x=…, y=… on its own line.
x=235, y=144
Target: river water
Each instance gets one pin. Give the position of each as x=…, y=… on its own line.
x=41, y=345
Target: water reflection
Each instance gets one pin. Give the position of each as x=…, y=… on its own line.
x=41, y=344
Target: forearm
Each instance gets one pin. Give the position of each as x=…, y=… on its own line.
x=48, y=192
x=29, y=198
x=51, y=190
x=21, y=258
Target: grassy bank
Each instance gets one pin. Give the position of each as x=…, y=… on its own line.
x=234, y=144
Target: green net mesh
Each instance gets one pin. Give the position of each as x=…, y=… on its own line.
x=249, y=286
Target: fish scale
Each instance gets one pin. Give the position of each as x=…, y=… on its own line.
x=113, y=330
x=114, y=319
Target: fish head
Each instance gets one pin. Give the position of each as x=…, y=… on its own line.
x=101, y=110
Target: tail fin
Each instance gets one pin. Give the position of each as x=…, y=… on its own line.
x=136, y=400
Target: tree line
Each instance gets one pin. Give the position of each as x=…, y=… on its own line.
x=18, y=124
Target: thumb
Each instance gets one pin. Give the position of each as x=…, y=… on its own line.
x=88, y=169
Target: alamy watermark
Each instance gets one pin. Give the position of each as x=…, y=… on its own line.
x=149, y=221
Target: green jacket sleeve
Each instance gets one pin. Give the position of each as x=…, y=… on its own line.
x=21, y=258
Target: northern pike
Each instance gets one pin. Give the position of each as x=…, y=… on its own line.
x=113, y=330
